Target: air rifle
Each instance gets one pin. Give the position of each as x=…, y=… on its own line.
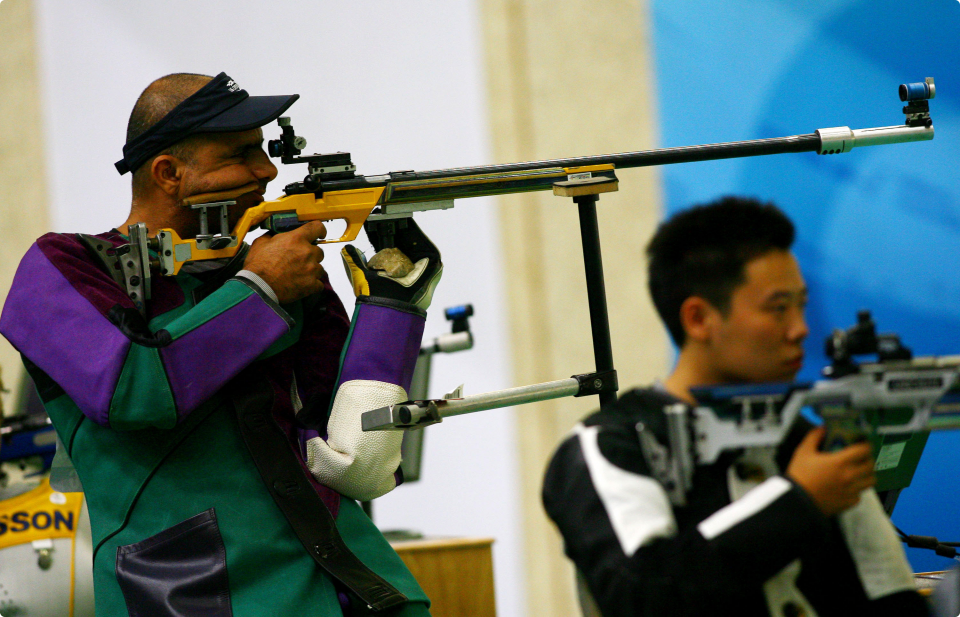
x=895, y=394
x=332, y=190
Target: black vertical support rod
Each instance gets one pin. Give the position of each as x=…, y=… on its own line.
x=596, y=292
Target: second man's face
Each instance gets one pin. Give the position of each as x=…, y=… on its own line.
x=760, y=339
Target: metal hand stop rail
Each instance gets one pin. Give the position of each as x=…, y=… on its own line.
x=585, y=188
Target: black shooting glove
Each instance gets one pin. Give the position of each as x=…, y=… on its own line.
x=409, y=271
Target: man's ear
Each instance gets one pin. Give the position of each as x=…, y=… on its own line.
x=699, y=318
x=167, y=172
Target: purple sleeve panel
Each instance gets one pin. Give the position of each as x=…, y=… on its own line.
x=384, y=344
x=74, y=262
x=64, y=333
x=204, y=359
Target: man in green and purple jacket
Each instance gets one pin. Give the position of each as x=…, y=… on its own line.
x=217, y=478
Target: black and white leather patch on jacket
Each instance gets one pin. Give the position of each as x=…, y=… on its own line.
x=748, y=542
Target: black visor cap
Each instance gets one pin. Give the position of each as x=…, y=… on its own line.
x=251, y=113
x=220, y=106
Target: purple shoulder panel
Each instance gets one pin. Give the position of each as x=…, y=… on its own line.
x=76, y=265
x=200, y=362
x=64, y=333
x=72, y=259
x=384, y=346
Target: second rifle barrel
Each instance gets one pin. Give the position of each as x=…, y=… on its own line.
x=512, y=396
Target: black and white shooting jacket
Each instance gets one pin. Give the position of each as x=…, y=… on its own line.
x=748, y=542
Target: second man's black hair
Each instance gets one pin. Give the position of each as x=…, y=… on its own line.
x=703, y=251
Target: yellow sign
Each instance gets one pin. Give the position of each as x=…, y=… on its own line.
x=40, y=514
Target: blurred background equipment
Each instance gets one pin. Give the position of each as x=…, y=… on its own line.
x=458, y=339
x=45, y=538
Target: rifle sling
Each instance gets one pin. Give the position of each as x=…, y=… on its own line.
x=284, y=477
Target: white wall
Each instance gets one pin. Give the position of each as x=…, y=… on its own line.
x=400, y=86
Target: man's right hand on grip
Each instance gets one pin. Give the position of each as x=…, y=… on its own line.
x=834, y=480
x=289, y=262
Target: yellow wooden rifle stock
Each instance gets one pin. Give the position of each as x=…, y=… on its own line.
x=352, y=205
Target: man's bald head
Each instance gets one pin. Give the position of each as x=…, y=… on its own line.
x=159, y=99
x=155, y=102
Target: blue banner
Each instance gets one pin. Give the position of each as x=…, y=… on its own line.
x=878, y=228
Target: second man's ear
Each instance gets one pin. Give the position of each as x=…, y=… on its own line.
x=698, y=318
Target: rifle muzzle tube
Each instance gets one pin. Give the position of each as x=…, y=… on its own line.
x=842, y=139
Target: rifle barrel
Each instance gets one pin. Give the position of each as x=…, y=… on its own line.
x=421, y=187
x=645, y=158
x=461, y=182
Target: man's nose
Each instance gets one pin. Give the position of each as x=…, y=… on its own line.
x=264, y=168
x=798, y=329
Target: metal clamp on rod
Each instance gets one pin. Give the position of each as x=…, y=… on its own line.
x=595, y=383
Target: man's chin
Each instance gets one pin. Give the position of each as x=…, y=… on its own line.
x=252, y=193
x=244, y=203
x=789, y=375
x=781, y=376
x=250, y=199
